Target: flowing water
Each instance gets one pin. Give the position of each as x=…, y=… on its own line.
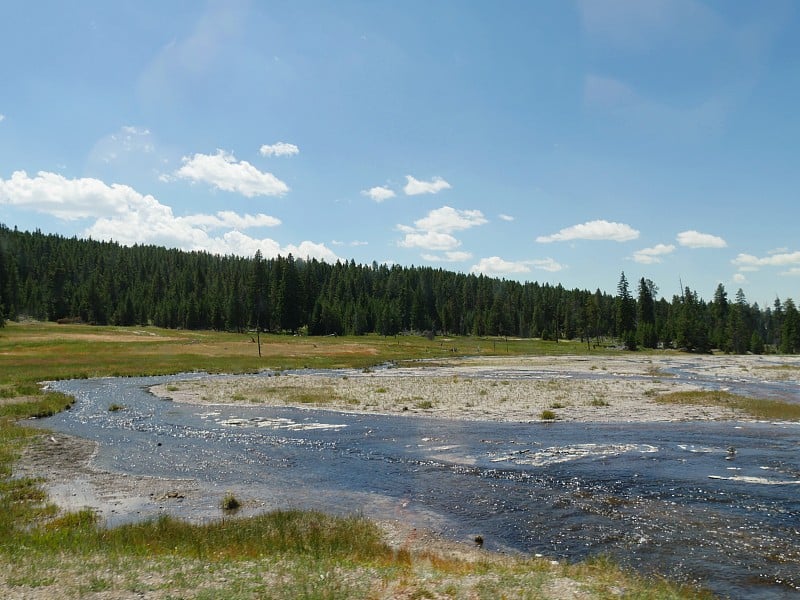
x=712, y=503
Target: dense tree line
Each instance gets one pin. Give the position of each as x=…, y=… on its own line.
x=50, y=277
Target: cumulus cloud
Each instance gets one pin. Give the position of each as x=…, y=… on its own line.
x=434, y=231
x=430, y=240
x=378, y=193
x=232, y=220
x=122, y=214
x=496, y=266
x=695, y=239
x=70, y=199
x=547, y=264
x=739, y=278
x=415, y=187
x=505, y=217
x=2, y=117
x=649, y=256
x=224, y=172
x=449, y=219
x=593, y=230
x=748, y=262
x=279, y=149
x=452, y=256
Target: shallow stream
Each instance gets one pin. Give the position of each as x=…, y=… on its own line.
x=713, y=503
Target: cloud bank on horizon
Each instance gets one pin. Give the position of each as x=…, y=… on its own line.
x=535, y=142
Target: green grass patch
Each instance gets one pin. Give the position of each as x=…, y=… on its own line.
x=548, y=415
x=599, y=402
x=755, y=407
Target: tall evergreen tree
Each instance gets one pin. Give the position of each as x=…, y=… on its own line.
x=790, y=329
x=719, y=318
x=691, y=329
x=625, y=314
x=646, y=314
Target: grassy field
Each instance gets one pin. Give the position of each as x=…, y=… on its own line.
x=286, y=554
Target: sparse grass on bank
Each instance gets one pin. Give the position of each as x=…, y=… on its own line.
x=754, y=407
x=287, y=554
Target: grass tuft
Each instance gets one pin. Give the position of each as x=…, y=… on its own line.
x=755, y=407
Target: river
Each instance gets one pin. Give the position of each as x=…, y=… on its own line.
x=711, y=503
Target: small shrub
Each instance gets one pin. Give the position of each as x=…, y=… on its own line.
x=599, y=402
x=547, y=415
x=230, y=502
x=424, y=404
x=115, y=407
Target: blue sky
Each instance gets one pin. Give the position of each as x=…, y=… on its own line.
x=549, y=141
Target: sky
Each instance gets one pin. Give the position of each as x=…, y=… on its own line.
x=556, y=141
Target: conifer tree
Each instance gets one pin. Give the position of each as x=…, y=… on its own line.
x=625, y=314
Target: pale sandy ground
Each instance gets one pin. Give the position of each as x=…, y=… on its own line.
x=519, y=389
x=455, y=389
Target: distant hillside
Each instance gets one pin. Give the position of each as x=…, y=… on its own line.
x=50, y=277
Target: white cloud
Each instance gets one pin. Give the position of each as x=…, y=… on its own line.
x=752, y=263
x=224, y=172
x=2, y=117
x=232, y=220
x=433, y=232
x=415, y=187
x=739, y=278
x=547, y=264
x=452, y=256
x=354, y=243
x=695, y=239
x=235, y=242
x=506, y=217
x=279, y=149
x=496, y=266
x=128, y=217
x=378, y=193
x=793, y=272
x=430, y=240
x=648, y=256
x=449, y=219
x=70, y=199
x=593, y=230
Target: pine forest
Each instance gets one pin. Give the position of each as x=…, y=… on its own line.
x=50, y=277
